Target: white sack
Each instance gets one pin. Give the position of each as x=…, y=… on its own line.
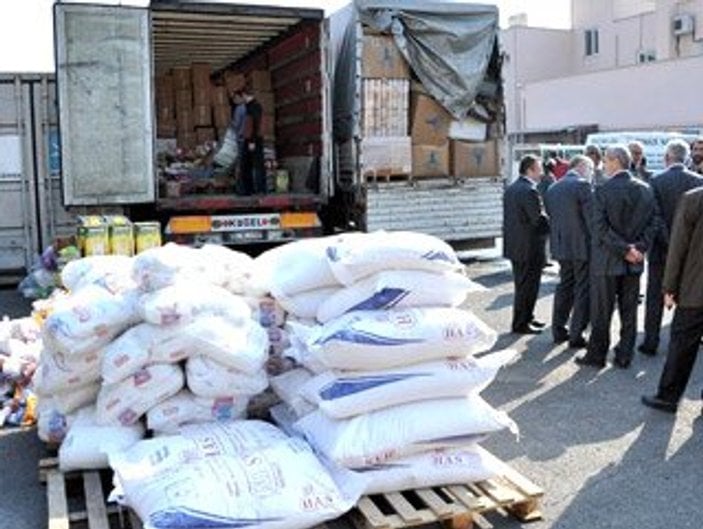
x=279, y=340
x=233, y=267
x=398, y=289
x=207, y=378
x=345, y=394
x=243, y=346
x=87, y=446
x=89, y=319
x=167, y=265
x=123, y=403
x=372, y=340
x=266, y=311
x=402, y=430
x=70, y=400
x=59, y=372
x=452, y=466
x=300, y=333
x=183, y=303
x=111, y=272
x=53, y=425
x=137, y=348
x=306, y=304
x=288, y=386
x=186, y=408
x=353, y=257
x=280, y=487
x=292, y=268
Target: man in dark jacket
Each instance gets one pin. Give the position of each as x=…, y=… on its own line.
x=568, y=204
x=525, y=231
x=668, y=187
x=683, y=287
x=623, y=229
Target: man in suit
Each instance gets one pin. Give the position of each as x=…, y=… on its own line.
x=683, y=287
x=623, y=229
x=638, y=162
x=696, y=162
x=668, y=187
x=596, y=156
x=525, y=231
x=568, y=204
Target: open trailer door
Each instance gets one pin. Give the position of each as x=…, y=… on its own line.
x=103, y=68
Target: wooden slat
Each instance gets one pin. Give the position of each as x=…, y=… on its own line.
x=406, y=511
x=95, y=501
x=56, y=500
x=473, y=501
x=500, y=492
x=372, y=513
x=517, y=479
x=438, y=506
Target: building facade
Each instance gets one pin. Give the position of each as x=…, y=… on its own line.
x=624, y=65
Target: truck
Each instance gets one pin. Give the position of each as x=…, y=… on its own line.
x=107, y=129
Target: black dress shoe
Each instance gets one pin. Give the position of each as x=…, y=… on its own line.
x=527, y=329
x=538, y=324
x=647, y=351
x=589, y=362
x=578, y=343
x=655, y=402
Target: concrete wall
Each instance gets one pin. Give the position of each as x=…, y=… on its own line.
x=658, y=95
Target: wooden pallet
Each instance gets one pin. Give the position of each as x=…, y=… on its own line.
x=455, y=506
x=78, y=500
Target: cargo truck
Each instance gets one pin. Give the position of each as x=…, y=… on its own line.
x=342, y=133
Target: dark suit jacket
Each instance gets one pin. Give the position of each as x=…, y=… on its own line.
x=668, y=186
x=623, y=215
x=525, y=224
x=683, y=275
x=568, y=204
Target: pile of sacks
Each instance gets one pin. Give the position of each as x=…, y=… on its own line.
x=390, y=385
x=20, y=347
x=167, y=335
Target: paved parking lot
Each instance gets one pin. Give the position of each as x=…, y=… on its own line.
x=604, y=460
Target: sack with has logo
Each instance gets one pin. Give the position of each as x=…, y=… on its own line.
x=59, y=372
x=373, y=340
x=402, y=430
x=207, y=378
x=306, y=304
x=355, y=256
x=288, y=386
x=111, y=272
x=398, y=289
x=343, y=394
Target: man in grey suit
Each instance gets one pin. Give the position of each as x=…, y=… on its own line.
x=525, y=228
x=668, y=187
x=683, y=287
x=568, y=204
x=623, y=229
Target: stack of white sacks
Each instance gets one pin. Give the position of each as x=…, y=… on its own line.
x=390, y=385
x=167, y=335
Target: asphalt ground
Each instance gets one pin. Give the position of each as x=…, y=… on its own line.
x=603, y=459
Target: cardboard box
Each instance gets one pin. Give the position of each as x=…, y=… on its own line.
x=267, y=102
x=166, y=130
x=181, y=78
x=205, y=134
x=259, y=81
x=234, y=81
x=222, y=116
x=385, y=107
x=200, y=73
x=186, y=140
x=386, y=156
x=184, y=99
x=164, y=87
x=184, y=119
x=218, y=96
x=475, y=159
x=430, y=160
x=430, y=121
x=202, y=96
x=202, y=115
x=382, y=59
x=165, y=113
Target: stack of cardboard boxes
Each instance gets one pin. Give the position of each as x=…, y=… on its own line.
x=386, y=146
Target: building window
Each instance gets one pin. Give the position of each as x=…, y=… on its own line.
x=646, y=56
x=591, y=42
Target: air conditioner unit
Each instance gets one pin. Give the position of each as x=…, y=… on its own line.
x=682, y=24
